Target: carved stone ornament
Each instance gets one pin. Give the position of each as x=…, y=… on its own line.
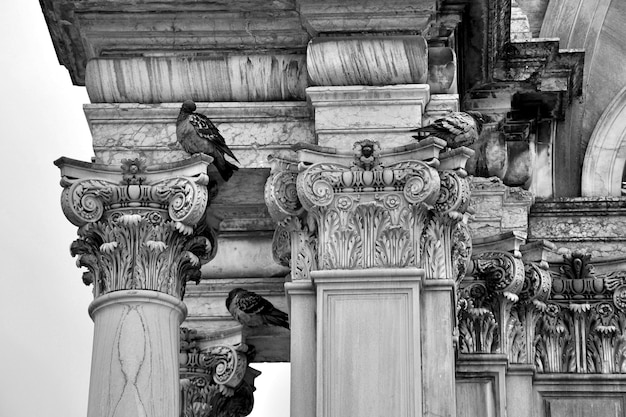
x=570, y=321
x=582, y=328
x=487, y=322
x=215, y=382
x=372, y=208
x=138, y=229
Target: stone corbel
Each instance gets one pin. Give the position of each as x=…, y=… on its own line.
x=215, y=382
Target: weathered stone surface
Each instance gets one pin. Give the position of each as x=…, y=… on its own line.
x=442, y=70
x=593, y=224
x=252, y=130
x=344, y=115
x=498, y=208
x=83, y=30
x=204, y=79
x=535, y=11
x=363, y=16
x=367, y=60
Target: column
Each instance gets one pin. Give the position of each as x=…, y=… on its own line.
x=380, y=236
x=142, y=236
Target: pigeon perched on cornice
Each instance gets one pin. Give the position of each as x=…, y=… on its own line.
x=457, y=128
x=252, y=310
x=197, y=134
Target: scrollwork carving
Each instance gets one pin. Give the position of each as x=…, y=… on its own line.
x=141, y=251
x=138, y=233
x=216, y=382
x=503, y=272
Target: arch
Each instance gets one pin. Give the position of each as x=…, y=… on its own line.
x=603, y=166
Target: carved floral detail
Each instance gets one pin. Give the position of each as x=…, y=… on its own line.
x=141, y=251
x=136, y=233
x=216, y=382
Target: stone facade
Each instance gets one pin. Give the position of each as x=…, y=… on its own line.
x=419, y=279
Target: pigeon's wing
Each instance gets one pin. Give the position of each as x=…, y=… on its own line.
x=252, y=303
x=452, y=128
x=207, y=130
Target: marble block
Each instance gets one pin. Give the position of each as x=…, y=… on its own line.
x=270, y=77
x=344, y=115
x=252, y=130
x=498, y=208
x=368, y=342
x=367, y=60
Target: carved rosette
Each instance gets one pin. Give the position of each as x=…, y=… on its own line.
x=215, y=382
x=138, y=231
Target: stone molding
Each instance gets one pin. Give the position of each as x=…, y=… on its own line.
x=249, y=78
x=254, y=130
x=139, y=227
x=372, y=208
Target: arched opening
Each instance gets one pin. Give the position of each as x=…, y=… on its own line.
x=603, y=167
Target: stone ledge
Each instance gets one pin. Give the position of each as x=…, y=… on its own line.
x=252, y=130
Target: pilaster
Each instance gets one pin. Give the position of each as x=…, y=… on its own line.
x=142, y=235
x=381, y=235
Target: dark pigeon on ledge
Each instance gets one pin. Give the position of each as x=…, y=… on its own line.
x=197, y=134
x=457, y=128
x=252, y=310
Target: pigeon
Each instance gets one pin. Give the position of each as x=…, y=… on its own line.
x=252, y=310
x=197, y=134
x=457, y=128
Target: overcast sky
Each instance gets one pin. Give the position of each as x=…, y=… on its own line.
x=46, y=333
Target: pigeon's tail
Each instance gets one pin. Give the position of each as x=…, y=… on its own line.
x=277, y=318
x=225, y=168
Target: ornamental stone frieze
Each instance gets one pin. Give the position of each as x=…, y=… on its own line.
x=562, y=319
x=372, y=208
x=216, y=381
x=139, y=228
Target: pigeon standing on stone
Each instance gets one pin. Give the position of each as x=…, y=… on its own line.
x=457, y=128
x=197, y=134
x=252, y=310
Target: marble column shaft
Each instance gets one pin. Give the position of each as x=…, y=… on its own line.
x=142, y=236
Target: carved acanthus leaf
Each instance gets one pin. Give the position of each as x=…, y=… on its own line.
x=216, y=382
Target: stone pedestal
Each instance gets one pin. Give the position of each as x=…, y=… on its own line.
x=134, y=370
x=369, y=350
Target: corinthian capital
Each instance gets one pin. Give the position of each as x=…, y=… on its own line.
x=139, y=227
x=372, y=207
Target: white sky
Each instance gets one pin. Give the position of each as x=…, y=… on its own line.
x=45, y=331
